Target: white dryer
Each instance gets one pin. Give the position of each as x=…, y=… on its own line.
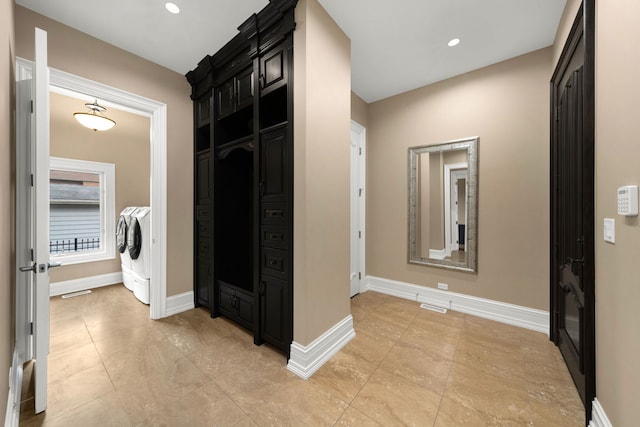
x=139, y=247
x=121, y=243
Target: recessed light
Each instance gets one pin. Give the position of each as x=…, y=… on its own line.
x=171, y=7
x=453, y=42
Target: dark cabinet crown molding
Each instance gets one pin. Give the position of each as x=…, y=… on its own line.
x=257, y=34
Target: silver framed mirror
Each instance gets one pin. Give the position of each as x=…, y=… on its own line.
x=443, y=205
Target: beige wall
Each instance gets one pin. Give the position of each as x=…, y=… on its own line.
x=7, y=196
x=564, y=27
x=617, y=163
x=85, y=56
x=359, y=110
x=506, y=105
x=126, y=145
x=322, y=87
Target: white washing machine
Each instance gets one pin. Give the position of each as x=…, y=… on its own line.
x=139, y=246
x=121, y=243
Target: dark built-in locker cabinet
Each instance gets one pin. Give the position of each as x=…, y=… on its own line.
x=243, y=177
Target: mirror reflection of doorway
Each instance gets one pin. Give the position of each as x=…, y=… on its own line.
x=455, y=191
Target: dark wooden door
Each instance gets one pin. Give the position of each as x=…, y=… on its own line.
x=572, y=206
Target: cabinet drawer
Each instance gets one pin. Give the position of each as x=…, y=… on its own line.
x=202, y=212
x=274, y=213
x=204, y=247
x=204, y=229
x=236, y=304
x=274, y=262
x=274, y=236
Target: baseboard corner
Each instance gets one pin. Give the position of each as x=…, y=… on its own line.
x=306, y=360
x=12, y=416
x=598, y=416
x=179, y=303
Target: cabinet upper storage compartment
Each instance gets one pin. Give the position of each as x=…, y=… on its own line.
x=235, y=93
x=273, y=69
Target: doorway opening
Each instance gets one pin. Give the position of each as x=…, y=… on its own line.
x=66, y=83
x=455, y=217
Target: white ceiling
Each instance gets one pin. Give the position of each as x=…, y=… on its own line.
x=395, y=46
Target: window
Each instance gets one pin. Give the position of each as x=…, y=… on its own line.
x=82, y=211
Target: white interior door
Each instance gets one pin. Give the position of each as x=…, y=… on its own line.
x=41, y=217
x=32, y=231
x=357, y=206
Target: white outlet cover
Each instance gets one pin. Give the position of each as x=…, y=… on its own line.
x=443, y=286
x=610, y=230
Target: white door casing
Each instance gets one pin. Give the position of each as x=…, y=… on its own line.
x=66, y=83
x=357, y=206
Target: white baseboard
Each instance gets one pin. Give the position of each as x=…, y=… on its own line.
x=75, y=285
x=12, y=416
x=524, y=317
x=305, y=360
x=179, y=303
x=598, y=417
x=437, y=253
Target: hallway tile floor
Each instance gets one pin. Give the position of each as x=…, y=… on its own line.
x=110, y=365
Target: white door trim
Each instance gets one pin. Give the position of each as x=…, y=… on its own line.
x=447, y=203
x=62, y=82
x=361, y=133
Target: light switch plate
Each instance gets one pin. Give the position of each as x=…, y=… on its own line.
x=610, y=230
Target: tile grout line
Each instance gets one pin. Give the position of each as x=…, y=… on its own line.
x=115, y=388
x=377, y=366
x=446, y=384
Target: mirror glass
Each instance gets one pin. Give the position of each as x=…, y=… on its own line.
x=443, y=201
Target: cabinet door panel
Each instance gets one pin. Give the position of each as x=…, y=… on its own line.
x=244, y=89
x=203, y=282
x=274, y=175
x=225, y=98
x=276, y=316
x=245, y=311
x=203, y=178
x=227, y=301
x=203, y=110
x=273, y=70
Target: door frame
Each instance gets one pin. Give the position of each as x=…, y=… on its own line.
x=583, y=26
x=63, y=82
x=358, y=220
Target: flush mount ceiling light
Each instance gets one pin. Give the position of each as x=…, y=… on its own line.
x=453, y=42
x=171, y=7
x=95, y=119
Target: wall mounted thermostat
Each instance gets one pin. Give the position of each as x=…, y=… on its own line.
x=628, y=200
